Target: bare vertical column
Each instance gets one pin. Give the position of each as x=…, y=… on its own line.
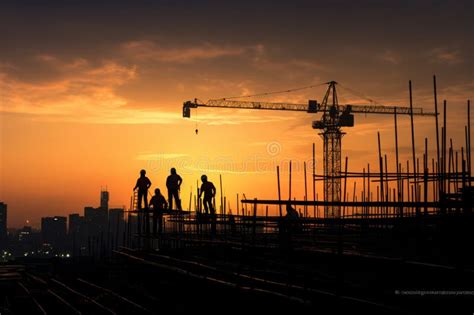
x=438, y=169
x=314, y=176
x=279, y=191
x=305, y=192
x=413, y=147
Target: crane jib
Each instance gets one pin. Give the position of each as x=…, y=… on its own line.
x=311, y=107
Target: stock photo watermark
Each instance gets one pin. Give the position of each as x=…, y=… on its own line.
x=273, y=148
x=434, y=292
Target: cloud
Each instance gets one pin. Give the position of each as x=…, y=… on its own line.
x=258, y=143
x=218, y=86
x=82, y=91
x=79, y=92
x=390, y=57
x=446, y=56
x=132, y=116
x=232, y=169
x=287, y=66
x=160, y=156
x=237, y=117
x=146, y=50
x=292, y=69
x=86, y=86
x=460, y=92
x=6, y=66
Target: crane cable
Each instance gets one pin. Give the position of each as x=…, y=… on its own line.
x=196, y=130
x=274, y=92
x=259, y=94
x=358, y=94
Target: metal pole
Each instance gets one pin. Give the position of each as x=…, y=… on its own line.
x=413, y=141
x=279, y=192
x=434, y=183
x=425, y=176
x=456, y=181
x=444, y=145
x=314, y=175
x=380, y=168
x=345, y=187
x=254, y=225
x=363, y=190
x=408, y=186
x=396, y=151
x=466, y=135
x=468, y=148
x=438, y=170
x=354, y=196
x=368, y=188
x=463, y=167
x=387, y=186
x=305, y=191
x=222, y=196
x=289, y=187
x=450, y=162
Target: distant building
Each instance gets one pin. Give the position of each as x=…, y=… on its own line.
x=117, y=226
x=24, y=234
x=132, y=224
x=76, y=222
x=96, y=220
x=104, y=199
x=77, y=233
x=26, y=241
x=53, y=231
x=3, y=221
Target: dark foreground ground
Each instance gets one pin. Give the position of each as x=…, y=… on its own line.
x=386, y=271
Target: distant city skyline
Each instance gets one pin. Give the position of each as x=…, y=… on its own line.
x=102, y=203
x=90, y=232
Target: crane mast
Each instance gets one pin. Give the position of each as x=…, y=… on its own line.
x=334, y=116
x=330, y=126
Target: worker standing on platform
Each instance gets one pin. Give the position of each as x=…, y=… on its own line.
x=173, y=183
x=209, y=191
x=143, y=183
x=158, y=202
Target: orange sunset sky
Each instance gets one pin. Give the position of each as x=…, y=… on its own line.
x=92, y=91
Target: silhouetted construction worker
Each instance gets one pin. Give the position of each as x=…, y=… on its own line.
x=233, y=227
x=158, y=202
x=209, y=192
x=173, y=183
x=291, y=214
x=292, y=219
x=143, y=183
x=288, y=225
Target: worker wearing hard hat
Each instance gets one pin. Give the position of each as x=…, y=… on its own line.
x=143, y=183
x=158, y=202
x=209, y=191
x=173, y=183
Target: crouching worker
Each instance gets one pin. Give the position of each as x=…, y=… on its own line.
x=159, y=204
x=288, y=225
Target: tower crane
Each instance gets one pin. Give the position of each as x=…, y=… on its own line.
x=334, y=117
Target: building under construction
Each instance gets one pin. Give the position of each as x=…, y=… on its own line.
x=400, y=244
